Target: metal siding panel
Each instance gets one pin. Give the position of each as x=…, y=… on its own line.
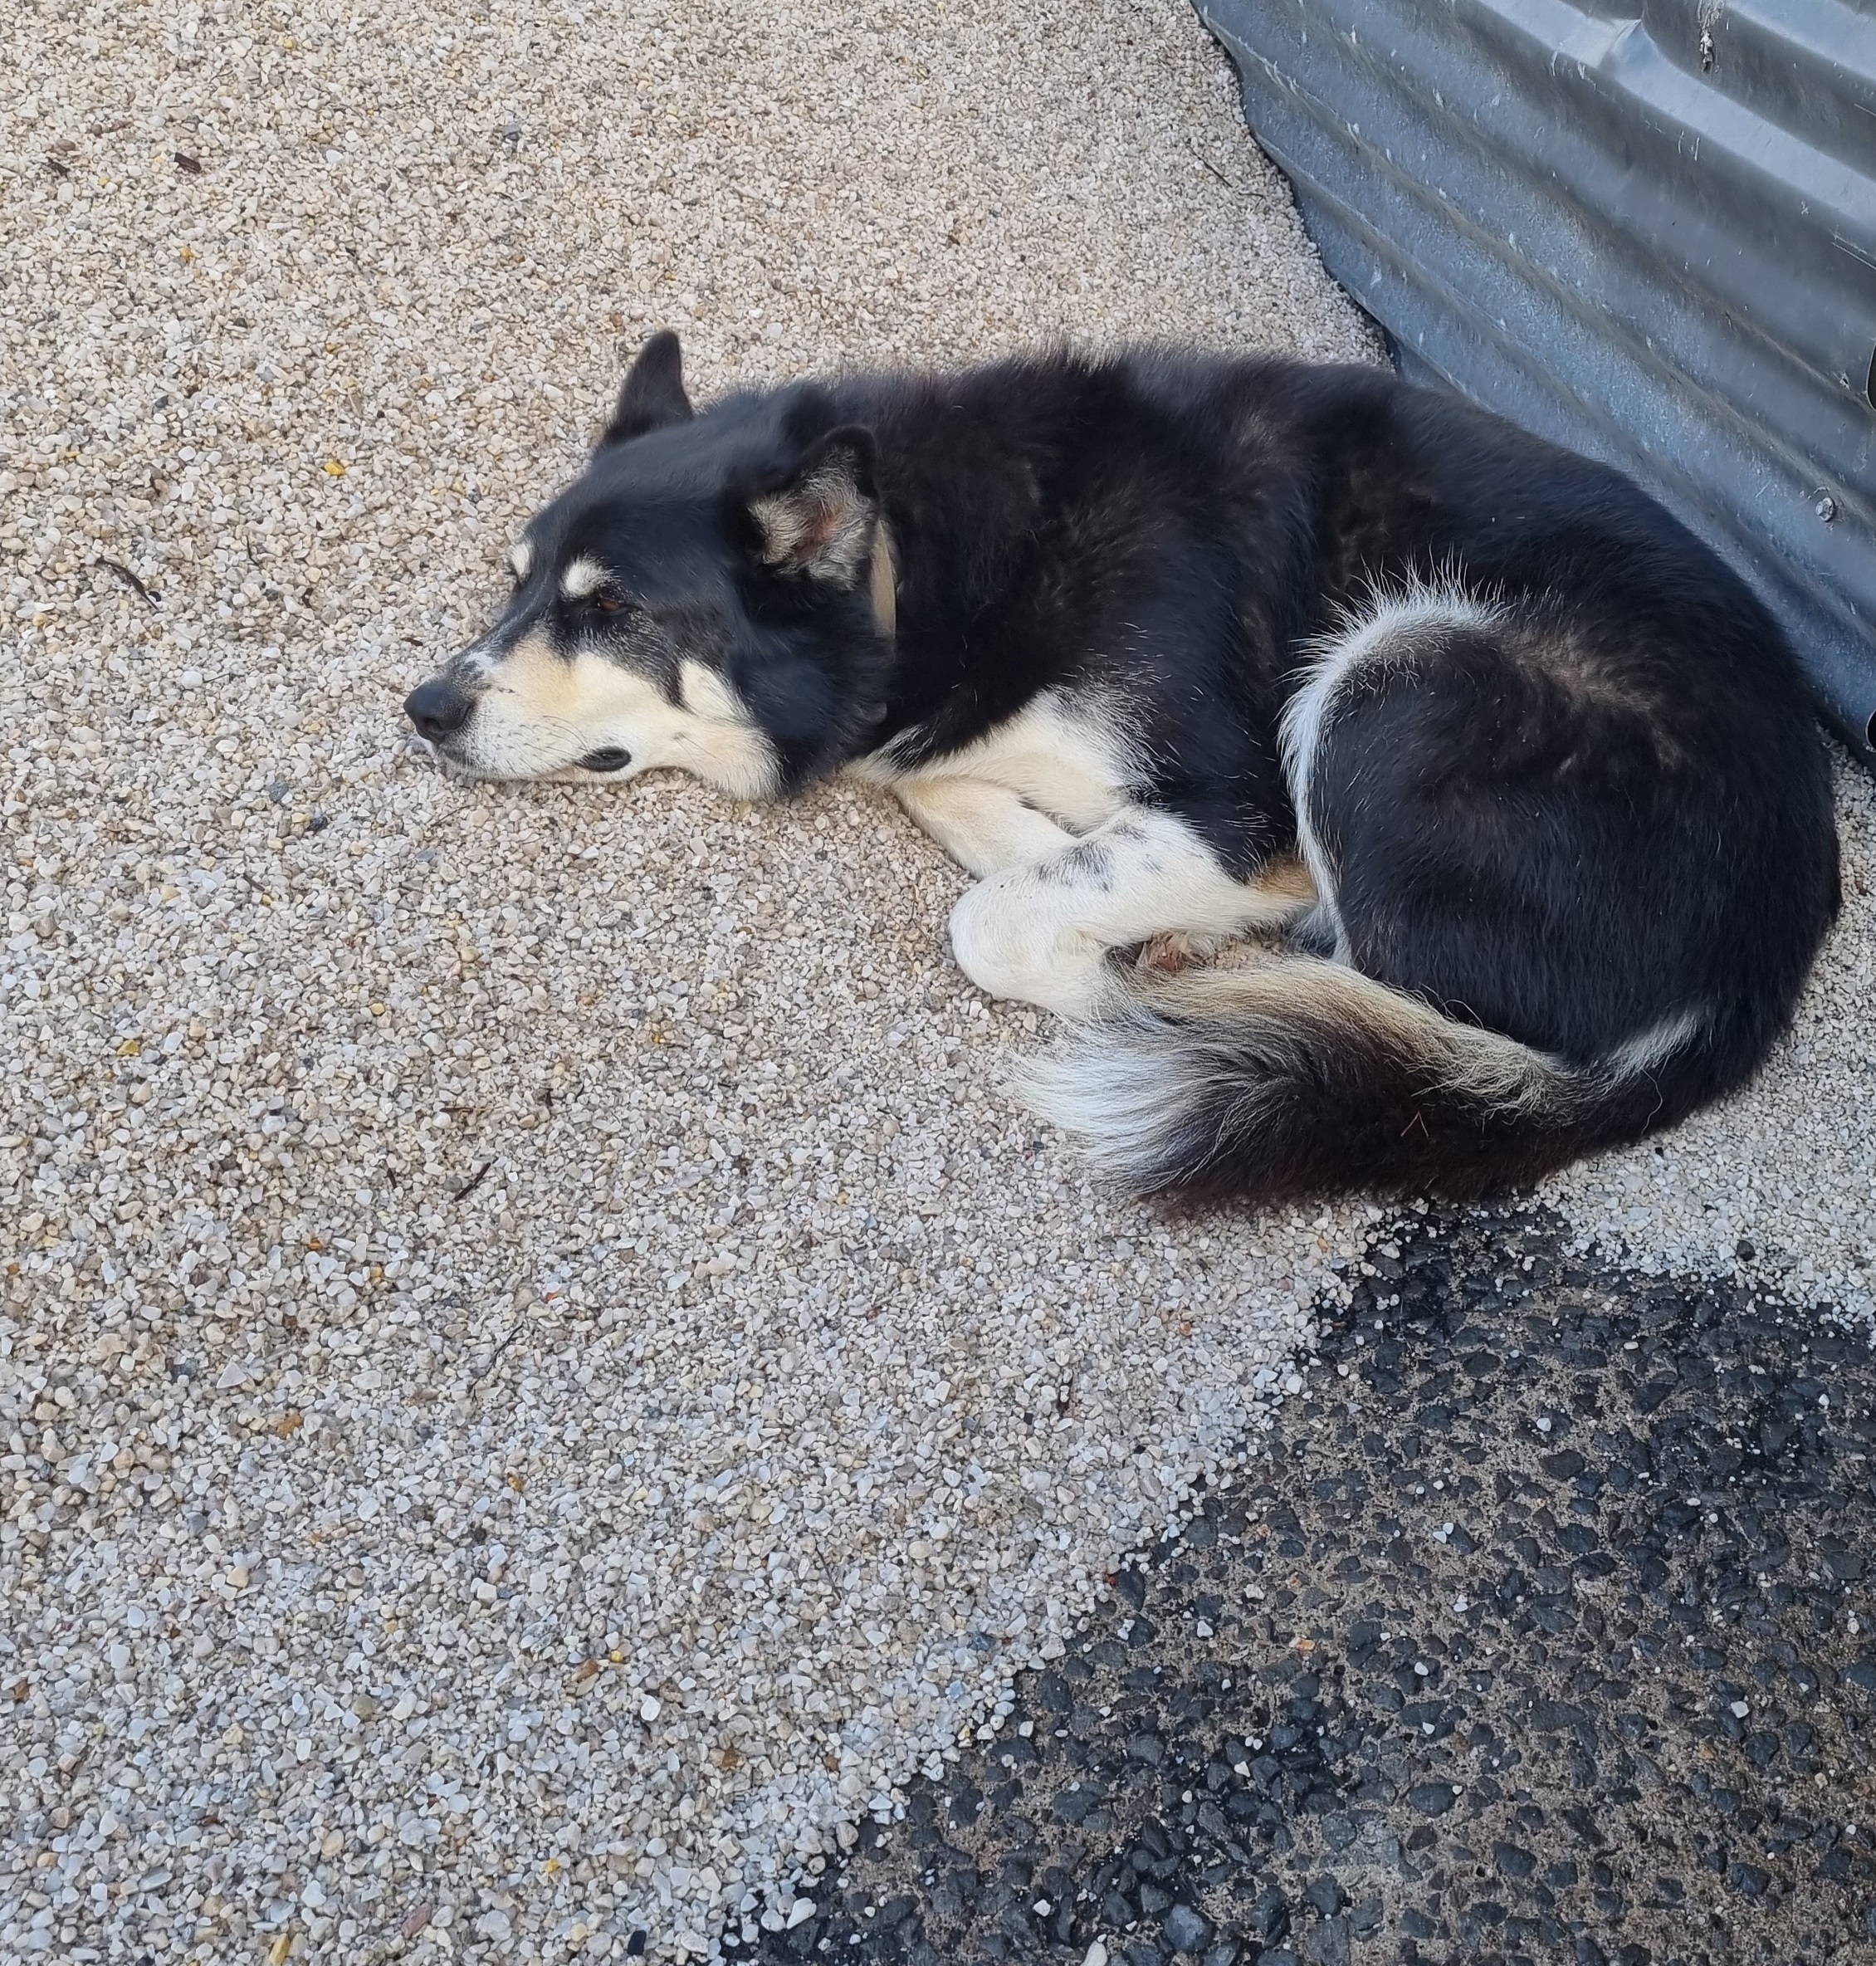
x=1558, y=209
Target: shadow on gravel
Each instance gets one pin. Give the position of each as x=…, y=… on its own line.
x=1541, y=1631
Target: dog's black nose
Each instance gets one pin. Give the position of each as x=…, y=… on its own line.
x=438, y=709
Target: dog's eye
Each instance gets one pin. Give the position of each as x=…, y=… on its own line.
x=609, y=602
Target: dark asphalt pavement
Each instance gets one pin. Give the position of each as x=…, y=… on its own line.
x=1542, y=1630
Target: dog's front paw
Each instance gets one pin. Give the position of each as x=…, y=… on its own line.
x=1004, y=940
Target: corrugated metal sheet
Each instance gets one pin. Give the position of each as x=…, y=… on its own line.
x=1646, y=231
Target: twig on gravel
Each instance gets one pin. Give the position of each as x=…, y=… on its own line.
x=130, y=578
x=1207, y=162
x=495, y=1357
x=474, y=1181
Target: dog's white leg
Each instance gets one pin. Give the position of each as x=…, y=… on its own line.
x=1041, y=932
x=984, y=828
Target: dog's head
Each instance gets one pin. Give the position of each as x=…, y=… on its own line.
x=714, y=592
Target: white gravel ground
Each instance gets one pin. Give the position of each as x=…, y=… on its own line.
x=1779, y=1182
x=539, y=1373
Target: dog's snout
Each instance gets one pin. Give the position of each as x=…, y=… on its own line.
x=438, y=709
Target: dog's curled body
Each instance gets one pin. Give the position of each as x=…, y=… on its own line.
x=1519, y=773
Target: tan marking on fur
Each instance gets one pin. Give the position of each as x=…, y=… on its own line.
x=1286, y=880
x=540, y=713
x=885, y=581
x=582, y=577
x=984, y=828
x=1287, y=988
x=706, y=694
x=520, y=558
x=1069, y=760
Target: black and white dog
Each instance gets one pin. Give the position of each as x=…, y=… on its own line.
x=1515, y=775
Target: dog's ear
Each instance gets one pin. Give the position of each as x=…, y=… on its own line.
x=652, y=394
x=820, y=522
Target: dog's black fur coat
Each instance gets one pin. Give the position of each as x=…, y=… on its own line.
x=1605, y=807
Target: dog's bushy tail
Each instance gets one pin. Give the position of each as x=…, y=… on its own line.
x=1303, y=1077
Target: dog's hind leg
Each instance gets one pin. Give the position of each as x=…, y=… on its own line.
x=1042, y=933
x=983, y=827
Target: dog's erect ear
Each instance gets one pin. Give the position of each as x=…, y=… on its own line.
x=820, y=523
x=652, y=395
